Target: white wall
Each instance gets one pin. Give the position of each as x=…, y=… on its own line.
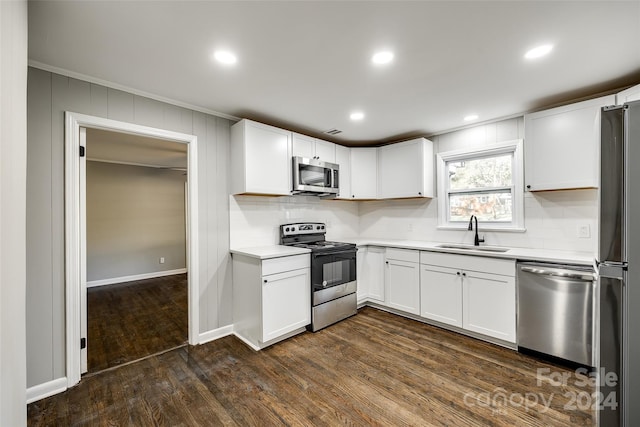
x=255, y=220
x=13, y=167
x=551, y=218
x=135, y=215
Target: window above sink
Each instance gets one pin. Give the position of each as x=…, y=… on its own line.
x=486, y=182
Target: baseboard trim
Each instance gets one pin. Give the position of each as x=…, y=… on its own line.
x=215, y=334
x=115, y=280
x=40, y=391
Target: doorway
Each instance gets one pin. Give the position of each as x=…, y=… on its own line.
x=136, y=242
x=75, y=229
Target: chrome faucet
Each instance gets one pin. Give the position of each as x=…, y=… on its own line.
x=476, y=239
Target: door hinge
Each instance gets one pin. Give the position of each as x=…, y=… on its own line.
x=81, y=151
x=83, y=343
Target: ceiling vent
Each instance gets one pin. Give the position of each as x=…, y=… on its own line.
x=332, y=131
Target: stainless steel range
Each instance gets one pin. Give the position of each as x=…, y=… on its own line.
x=333, y=272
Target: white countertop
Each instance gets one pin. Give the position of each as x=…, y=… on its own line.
x=273, y=251
x=545, y=255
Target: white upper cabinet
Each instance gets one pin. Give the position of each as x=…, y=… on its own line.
x=628, y=95
x=364, y=173
x=313, y=148
x=405, y=169
x=343, y=159
x=562, y=146
x=326, y=151
x=304, y=146
x=260, y=159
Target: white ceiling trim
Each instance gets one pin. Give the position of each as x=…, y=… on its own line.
x=106, y=83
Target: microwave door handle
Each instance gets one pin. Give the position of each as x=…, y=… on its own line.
x=336, y=180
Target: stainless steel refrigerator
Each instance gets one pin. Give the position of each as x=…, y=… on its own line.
x=618, y=267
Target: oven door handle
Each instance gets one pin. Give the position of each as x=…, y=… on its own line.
x=349, y=251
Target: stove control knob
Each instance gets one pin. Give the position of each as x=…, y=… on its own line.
x=322, y=227
x=318, y=227
x=286, y=229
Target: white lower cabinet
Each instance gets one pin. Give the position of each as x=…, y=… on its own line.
x=489, y=304
x=402, y=280
x=475, y=293
x=441, y=294
x=370, y=274
x=271, y=298
x=285, y=303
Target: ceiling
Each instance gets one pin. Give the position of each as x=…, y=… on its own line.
x=306, y=65
x=116, y=147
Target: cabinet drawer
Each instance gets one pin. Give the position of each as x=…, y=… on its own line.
x=408, y=255
x=286, y=263
x=504, y=267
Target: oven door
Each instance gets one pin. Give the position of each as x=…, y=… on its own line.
x=333, y=275
x=311, y=175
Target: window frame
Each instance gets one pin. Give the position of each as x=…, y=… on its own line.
x=514, y=148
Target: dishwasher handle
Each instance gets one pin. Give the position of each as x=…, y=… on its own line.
x=573, y=275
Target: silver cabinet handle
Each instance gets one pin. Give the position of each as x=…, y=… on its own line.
x=575, y=275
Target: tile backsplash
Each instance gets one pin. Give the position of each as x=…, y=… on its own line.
x=552, y=220
x=255, y=220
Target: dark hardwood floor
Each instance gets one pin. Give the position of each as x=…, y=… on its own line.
x=371, y=369
x=132, y=320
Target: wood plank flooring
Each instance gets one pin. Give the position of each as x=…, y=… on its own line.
x=372, y=369
x=128, y=321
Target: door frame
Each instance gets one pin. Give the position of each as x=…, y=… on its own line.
x=75, y=223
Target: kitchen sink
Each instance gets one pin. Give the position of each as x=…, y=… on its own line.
x=473, y=248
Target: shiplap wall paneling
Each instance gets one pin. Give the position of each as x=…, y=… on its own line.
x=49, y=96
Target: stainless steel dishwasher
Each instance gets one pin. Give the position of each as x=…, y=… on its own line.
x=556, y=307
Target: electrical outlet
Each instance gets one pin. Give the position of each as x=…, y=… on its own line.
x=584, y=231
x=161, y=260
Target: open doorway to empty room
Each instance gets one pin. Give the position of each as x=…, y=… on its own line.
x=136, y=238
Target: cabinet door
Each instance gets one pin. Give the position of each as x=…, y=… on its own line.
x=286, y=303
x=325, y=151
x=562, y=146
x=364, y=173
x=489, y=305
x=402, y=285
x=267, y=159
x=628, y=95
x=343, y=158
x=441, y=294
x=303, y=146
x=362, y=274
x=373, y=273
x=403, y=169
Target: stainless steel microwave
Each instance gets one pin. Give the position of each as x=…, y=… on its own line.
x=315, y=177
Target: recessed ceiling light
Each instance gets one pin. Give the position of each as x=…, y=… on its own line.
x=357, y=115
x=539, y=51
x=225, y=57
x=383, y=57
x=471, y=117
